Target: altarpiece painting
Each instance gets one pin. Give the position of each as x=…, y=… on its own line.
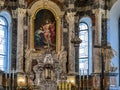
x=44, y=30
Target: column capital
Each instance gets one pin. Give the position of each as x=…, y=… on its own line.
x=14, y=13
x=21, y=11
x=70, y=16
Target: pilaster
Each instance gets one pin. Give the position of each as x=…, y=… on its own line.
x=97, y=51
x=71, y=58
x=20, y=39
x=97, y=40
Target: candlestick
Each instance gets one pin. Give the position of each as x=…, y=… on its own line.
x=58, y=85
x=83, y=79
x=9, y=84
x=13, y=79
x=6, y=79
x=70, y=86
x=61, y=84
x=80, y=78
x=67, y=84
x=87, y=79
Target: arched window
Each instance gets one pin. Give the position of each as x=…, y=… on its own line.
x=3, y=42
x=85, y=48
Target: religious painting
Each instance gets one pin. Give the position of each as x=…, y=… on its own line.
x=44, y=30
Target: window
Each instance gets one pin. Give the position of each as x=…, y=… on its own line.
x=3, y=42
x=83, y=49
x=113, y=36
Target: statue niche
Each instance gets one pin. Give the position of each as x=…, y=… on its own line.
x=44, y=30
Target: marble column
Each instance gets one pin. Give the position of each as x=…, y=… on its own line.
x=97, y=50
x=71, y=56
x=97, y=41
x=20, y=39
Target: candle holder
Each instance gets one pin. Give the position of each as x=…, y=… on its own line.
x=21, y=81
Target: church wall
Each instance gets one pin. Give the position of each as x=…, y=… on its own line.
x=23, y=54
x=113, y=33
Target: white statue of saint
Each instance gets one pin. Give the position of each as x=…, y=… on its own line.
x=109, y=54
x=62, y=56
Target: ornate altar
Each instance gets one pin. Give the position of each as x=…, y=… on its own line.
x=44, y=56
x=45, y=74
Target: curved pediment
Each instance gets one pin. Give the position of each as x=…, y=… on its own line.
x=57, y=2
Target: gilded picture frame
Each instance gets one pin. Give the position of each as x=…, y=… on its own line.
x=44, y=30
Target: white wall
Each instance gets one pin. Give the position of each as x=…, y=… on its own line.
x=113, y=31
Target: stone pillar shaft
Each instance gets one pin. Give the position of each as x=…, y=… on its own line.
x=20, y=40
x=96, y=51
x=71, y=56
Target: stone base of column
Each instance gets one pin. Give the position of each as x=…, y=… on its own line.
x=72, y=73
x=19, y=71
